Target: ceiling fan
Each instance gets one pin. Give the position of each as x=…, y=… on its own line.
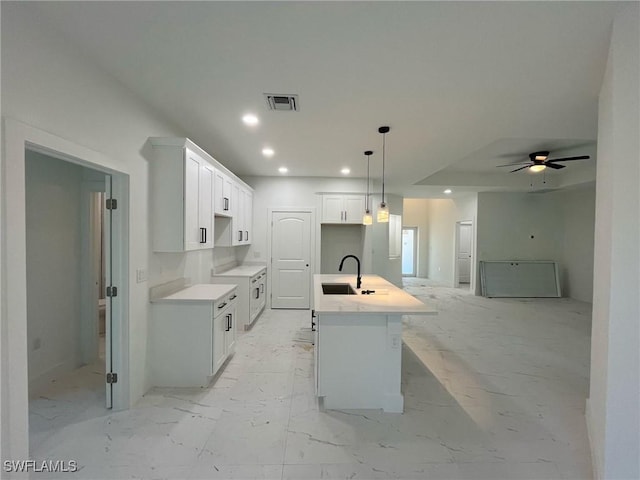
x=538, y=161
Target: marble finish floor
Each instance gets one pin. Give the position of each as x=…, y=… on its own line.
x=494, y=389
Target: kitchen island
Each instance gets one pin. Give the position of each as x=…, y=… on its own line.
x=358, y=341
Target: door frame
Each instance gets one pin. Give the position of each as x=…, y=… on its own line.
x=415, y=252
x=19, y=137
x=314, y=247
x=472, y=263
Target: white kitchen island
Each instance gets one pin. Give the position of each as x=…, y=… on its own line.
x=358, y=343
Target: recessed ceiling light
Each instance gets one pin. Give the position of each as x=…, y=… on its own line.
x=345, y=171
x=447, y=191
x=268, y=152
x=283, y=169
x=250, y=119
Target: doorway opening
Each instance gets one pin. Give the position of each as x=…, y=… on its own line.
x=68, y=320
x=464, y=254
x=409, y=251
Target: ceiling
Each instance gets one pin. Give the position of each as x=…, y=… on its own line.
x=461, y=84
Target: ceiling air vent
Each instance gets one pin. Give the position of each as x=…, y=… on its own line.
x=282, y=102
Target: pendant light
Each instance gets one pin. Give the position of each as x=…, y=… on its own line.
x=383, y=209
x=367, y=218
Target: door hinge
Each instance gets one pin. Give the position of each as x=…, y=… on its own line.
x=112, y=291
x=112, y=204
x=112, y=377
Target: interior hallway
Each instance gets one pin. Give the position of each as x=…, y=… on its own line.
x=494, y=388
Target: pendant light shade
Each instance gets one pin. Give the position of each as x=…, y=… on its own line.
x=383, y=209
x=367, y=218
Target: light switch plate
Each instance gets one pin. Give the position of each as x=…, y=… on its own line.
x=141, y=275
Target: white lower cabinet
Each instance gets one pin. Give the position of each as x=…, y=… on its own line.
x=252, y=292
x=192, y=337
x=224, y=336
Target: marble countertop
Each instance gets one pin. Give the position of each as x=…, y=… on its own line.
x=203, y=292
x=387, y=299
x=242, y=271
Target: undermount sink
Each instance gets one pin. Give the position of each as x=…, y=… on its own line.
x=337, y=289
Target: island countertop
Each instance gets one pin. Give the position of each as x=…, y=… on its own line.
x=388, y=298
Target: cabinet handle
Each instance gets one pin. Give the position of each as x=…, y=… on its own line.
x=232, y=298
x=247, y=233
x=262, y=288
x=226, y=204
x=239, y=235
x=341, y=216
x=257, y=292
x=203, y=235
x=228, y=323
x=222, y=305
x=345, y=215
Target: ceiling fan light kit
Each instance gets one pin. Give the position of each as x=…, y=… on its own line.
x=539, y=161
x=383, y=209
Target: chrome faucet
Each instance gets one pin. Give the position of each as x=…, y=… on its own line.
x=359, y=280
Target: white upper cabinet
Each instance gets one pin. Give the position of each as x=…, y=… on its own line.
x=181, y=199
x=223, y=203
x=236, y=230
x=342, y=208
x=193, y=196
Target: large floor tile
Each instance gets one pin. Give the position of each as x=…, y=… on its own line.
x=493, y=388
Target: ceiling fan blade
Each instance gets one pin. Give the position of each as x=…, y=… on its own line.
x=567, y=159
x=513, y=164
x=553, y=165
x=521, y=168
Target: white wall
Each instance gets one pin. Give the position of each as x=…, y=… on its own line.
x=338, y=241
x=47, y=83
x=53, y=199
x=613, y=409
x=578, y=220
x=442, y=215
x=272, y=192
x=416, y=215
x=561, y=224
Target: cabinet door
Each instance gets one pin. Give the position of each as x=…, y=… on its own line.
x=238, y=215
x=205, y=205
x=353, y=208
x=248, y=216
x=230, y=332
x=222, y=194
x=332, y=211
x=219, y=353
x=192, y=232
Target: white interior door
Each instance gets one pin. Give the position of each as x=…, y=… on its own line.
x=290, y=259
x=464, y=252
x=409, y=249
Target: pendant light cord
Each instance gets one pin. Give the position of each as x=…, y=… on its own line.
x=384, y=136
x=367, y=199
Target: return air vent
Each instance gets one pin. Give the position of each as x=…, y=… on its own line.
x=282, y=102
